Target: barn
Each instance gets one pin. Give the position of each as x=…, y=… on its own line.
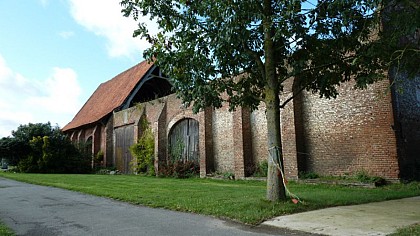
x=376, y=130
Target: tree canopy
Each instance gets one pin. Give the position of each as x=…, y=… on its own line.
x=43, y=148
x=241, y=52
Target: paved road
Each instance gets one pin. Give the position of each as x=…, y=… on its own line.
x=38, y=210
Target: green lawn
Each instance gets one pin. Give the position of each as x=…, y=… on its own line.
x=237, y=200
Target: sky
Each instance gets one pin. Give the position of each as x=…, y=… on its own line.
x=55, y=53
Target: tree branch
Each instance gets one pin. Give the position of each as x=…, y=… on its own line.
x=292, y=97
x=256, y=57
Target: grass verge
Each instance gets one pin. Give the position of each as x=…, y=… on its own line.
x=408, y=231
x=5, y=231
x=237, y=200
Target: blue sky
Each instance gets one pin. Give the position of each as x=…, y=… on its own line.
x=55, y=53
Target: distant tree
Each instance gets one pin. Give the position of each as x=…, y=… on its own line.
x=43, y=148
x=11, y=149
x=55, y=154
x=247, y=49
x=17, y=147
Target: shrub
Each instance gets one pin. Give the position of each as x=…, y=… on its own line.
x=261, y=169
x=179, y=169
x=364, y=177
x=98, y=160
x=308, y=175
x=17, y=147
x=55, y=154
x=143, y=152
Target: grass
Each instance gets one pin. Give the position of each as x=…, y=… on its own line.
x=408, y=231
x=5, y=231
x=237, y=200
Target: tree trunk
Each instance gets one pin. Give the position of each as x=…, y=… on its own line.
x=275, y=186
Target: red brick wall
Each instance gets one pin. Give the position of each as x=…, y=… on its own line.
x=330, y=137
x=349, y=134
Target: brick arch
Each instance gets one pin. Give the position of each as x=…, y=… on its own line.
x=204, y=119
x=184, y=115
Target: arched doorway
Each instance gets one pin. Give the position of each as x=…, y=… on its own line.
x=184, y=141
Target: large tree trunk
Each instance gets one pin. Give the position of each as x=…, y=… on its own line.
x=275, y=186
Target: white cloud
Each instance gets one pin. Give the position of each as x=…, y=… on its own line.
x=62, y=90
x=66, y=34
x=104, y=18
x=44, y=3
x=22, y=100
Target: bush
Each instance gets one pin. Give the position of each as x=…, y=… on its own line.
x=143, y=152
x=55, y=154
x=261, y=169
x=364, y=177
x=308, y=175
x=17, y=147
x=179, y=169
x=98, y=160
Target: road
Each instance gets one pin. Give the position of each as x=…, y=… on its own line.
x=38, y=210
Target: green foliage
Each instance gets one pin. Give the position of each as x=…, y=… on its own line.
x=143, y=151
x=179, y=169
x=5, y=231
x=364, y=177
x=323, y=44
x=17, y=146
x=261, y=169
x=98, y=159
x=176, y=150
x=241, y=52
x=308, y=175
x=229, y=175
x=42, y=148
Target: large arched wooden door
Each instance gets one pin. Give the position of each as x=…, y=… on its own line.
x=184, y=141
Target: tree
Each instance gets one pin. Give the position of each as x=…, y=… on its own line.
x=241, y=52
x=43, y=148
x=55, y=154
x=17, y=147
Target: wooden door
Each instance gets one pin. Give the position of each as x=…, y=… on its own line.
x=184, y=140
x=124, y=138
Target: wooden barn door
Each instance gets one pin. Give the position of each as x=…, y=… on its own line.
x=183, y=141
x=124, y=138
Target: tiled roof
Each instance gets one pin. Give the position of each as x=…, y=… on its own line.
x=109, y=96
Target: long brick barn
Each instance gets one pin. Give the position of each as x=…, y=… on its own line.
x=376, y=130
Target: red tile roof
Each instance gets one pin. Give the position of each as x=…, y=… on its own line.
x=109, y=96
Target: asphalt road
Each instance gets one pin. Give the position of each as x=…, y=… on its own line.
x=38, y=210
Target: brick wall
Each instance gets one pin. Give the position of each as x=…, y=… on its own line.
x=259, y=134
x=288, y=131
x=223, y=145
x=348, y=134
x=330, y=137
